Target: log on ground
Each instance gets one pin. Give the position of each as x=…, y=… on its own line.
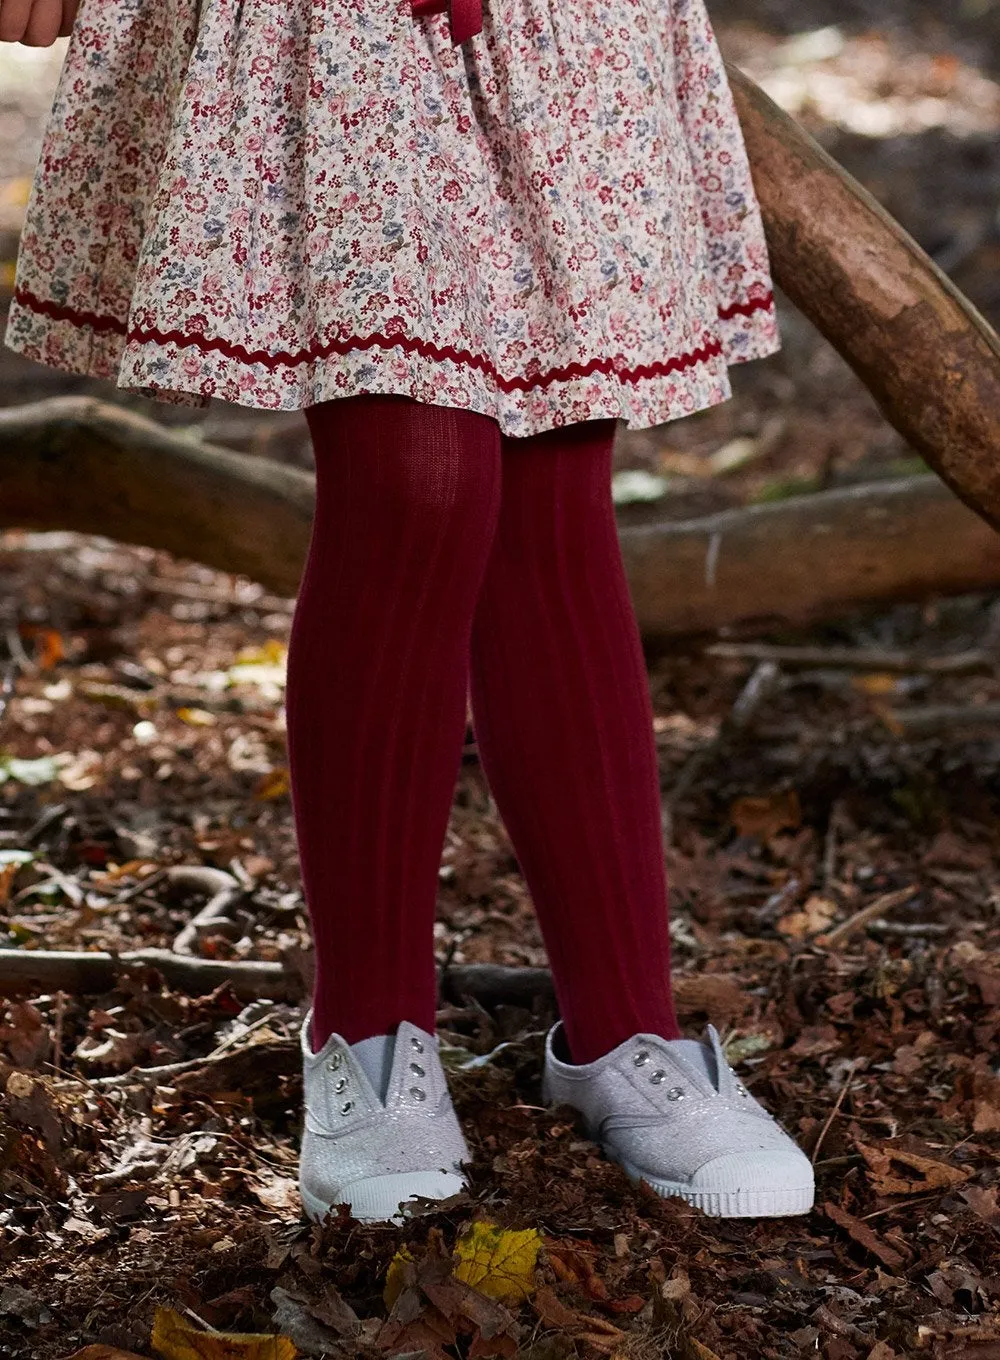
x=81, y=464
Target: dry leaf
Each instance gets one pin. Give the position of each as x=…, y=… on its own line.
x=175, y=1339
x=983, y=1203
x=864, y=1236
x=815, y=916
x=572, y=1264
x=931, y=1175
x=876, y=683
x=765, y=817
x=700, y=1351
x=275, y=784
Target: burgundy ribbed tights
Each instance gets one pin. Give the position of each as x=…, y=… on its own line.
x=450, y=560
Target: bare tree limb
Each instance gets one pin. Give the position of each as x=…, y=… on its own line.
x=928, y=357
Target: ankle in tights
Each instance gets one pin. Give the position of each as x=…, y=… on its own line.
x=448, y=559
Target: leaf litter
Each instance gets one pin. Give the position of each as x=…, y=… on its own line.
x=140, y=1213
x=835, y=899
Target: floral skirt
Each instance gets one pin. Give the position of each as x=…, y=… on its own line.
x=283, y=202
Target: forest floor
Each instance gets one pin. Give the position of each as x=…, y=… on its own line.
x=834, y=863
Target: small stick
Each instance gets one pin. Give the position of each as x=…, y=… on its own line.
x=860, y=659
x=58, y=1034
x=848, y=1078
x=882, y=904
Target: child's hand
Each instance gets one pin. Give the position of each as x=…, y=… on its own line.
x=36, y=23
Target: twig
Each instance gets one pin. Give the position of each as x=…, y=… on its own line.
x=848, y=1078
x=859, y=659
x=920, y=722
x=58, y=1032
x=225, y=893
x=909, y=929
x=830, y=847
x=887, y=902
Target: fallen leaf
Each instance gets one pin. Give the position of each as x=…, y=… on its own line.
x=864, y=1236
x=176, y=1339
x=274, y=784
x=573, y=1265
x=700, y=1351
x=931, y=1175
x=499, y=1262
x=815, y=916
x=983, y=1203
x=765, y=817
x=395, y=1277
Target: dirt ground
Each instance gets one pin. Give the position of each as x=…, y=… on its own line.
x=834, y=867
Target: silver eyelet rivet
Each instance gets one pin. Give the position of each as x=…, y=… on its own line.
x=334, y=1062
x=416, y=1069
x=641, y=1057
x=339, y=1084
x=416, y=1043
x=657, y=1076
x=417, y=1093
x=347, y=1105
x=675, y=1093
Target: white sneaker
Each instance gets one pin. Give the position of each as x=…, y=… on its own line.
x=673, y=1113
x=372, y=1155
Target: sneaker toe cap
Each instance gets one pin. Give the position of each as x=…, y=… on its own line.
x=772, y=1169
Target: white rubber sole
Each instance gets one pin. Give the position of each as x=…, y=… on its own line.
x=732, y=1203
x=377, y=1199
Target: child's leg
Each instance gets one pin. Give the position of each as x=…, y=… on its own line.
x=564, y=724
x=407, y=498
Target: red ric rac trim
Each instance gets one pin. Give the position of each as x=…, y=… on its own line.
x=274, y=361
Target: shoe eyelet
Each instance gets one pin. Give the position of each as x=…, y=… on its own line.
x=657, y=1076
x=641, y=1057
x=339, y=1084
x=416, y=1069
x=347, y=1105
x=675, y=1093
x=334, y=1062
x=416, y=1043
x=417, y=1093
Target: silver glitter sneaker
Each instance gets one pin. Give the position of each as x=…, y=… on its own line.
x=681, y=1120
x=374, y=1156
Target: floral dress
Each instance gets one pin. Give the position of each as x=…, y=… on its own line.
x=283, y=202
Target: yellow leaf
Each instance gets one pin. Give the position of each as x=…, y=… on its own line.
x=876, y=683
x=175, y=1339
x=197, y=717
x=497, y=1261
x=394, y=1277
x=274, y=784
x=271, y=654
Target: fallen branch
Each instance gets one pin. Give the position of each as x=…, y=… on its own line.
x=88, y=971
x=927, y=356
x=81, y=464
x=215, y=916
x=491, y=985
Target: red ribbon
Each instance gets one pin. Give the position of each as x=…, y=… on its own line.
x=464, y=16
